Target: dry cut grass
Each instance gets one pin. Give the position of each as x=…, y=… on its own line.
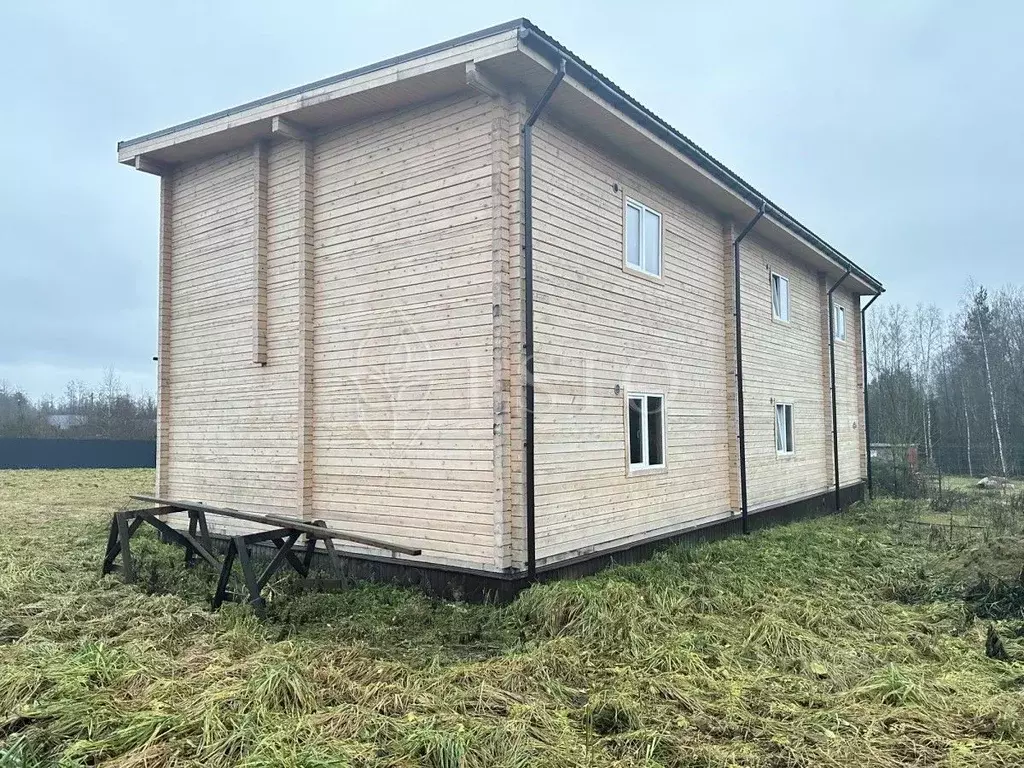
x=848, y=641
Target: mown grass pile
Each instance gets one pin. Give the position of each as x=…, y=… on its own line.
x=856, y=640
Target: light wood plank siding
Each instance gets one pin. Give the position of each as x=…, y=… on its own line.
x=232, y=427
x=849, y=391
x=784, y=362
x=598, y=326
x=862, y=447
x=403, y=438
x=729, y=233
x=389, y=307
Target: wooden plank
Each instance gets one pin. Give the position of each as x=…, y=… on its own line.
x=279, y=520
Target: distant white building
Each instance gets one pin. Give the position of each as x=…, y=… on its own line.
x=66, y=420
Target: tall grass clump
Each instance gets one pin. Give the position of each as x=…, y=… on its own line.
x=865, y=639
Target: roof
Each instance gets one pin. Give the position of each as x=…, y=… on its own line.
x=429, y=72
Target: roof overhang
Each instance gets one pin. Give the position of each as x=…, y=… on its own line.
x=519, y=58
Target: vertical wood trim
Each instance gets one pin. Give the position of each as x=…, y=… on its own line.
x=517, y=338
x=259, y=253
x=163, y=409
x=826, y=379
x=731, y=411
x=304, y=473
x=502, y=299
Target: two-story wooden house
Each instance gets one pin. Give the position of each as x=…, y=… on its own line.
x=478, y=300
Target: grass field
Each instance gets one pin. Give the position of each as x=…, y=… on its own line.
x=860, y=640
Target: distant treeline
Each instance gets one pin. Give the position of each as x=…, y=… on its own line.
x=108, y=410
x=952, y=383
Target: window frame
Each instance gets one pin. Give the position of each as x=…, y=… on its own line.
x=645, y=467
x=840, y=311
x=631, y=202
x=789, y=304
x=791, y=425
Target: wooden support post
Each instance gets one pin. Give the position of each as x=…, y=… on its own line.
x=204, y=530
x=190, y=552
x=249, y=576
x=221, y=593
x=112, y=547
x=259, y=253
x=283, y=554
x=187, y=540
x=307, y=557
x=332, y=555
x=124, y=535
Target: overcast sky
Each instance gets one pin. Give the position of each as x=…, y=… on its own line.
x=893, y=130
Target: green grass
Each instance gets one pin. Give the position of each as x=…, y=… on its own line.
x=851, y=641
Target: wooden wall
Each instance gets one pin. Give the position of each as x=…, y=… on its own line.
x=403, y=357
x=784, y=362
x=387, y=255
x=598, y=327
x=850, y=391
x=403, y=438
x=230, y=425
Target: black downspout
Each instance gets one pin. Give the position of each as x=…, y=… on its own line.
x=742, y=437
x=867, y=413
x=832, y=368
x=527, y=131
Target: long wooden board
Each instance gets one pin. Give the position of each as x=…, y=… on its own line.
x=317, y=531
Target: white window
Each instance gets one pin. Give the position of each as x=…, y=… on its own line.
x=840, y=329
x=646, y=425
x=783, y=428
x=780, y=297
x=643, y=238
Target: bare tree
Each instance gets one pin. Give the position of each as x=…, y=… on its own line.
x=954, y=384
x=980, y=321
x=927, y=325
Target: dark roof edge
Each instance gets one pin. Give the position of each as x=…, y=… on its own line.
x=471, y=37
x=545, y=45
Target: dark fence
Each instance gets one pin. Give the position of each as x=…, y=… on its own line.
x=60, y=453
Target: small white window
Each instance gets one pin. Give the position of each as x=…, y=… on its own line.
x=840, y=328
x=783, y=428
x=643, y=238
x=780, y=297
x=646, y=424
